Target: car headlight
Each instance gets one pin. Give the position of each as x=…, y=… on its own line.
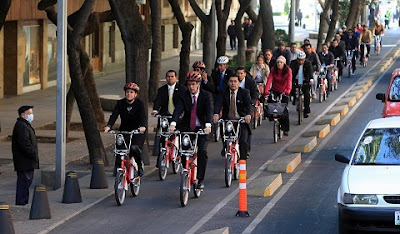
x=120, y=140
x=360, y=199
x=186, y=141
x=164, y=123
x=229, y=126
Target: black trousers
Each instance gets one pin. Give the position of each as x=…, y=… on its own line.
x=202, y=157
x=24, y=181
x=244, y=140
x=135, y=150
x=232, y=40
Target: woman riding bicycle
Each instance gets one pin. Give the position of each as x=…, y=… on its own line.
x=132, y=113
x=281, y=80
x=260, y=71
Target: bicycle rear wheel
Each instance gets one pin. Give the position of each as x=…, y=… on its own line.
x=348, y=71
x=320, y=94
x=228, y=171
x=177, y=165
x=184, y=188
x=300, y=110
x=217, y=133
x=236, y=168
x=135, y=186
x=276, y=130
x=119, y=188
x=162, y=168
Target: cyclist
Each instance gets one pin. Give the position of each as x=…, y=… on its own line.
x=306, y=41
x=326, y=57
x=206, y=82
x=235, y=103
x=338, y=52
x=352, y=44
x=268, y=59
x=221, y=74
x=281, y=80
x=365, y=38
x=133, y=116
x=378, y=30
x=247, y=82
x=260, y=71
x=302, y=74
x=282, y=51
x=313, y=58
x=196, y=106
x=293, y=51
x=341, y=43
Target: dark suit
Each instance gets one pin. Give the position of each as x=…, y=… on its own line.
x=251, y=85
x=327, y=59
x=308, y=74
x=204, y=113
x=243, y=108
x=209, y=86
x=285, y=53
x=216, y=77
x=338, y=52
x=271, y=63
x=161, y=100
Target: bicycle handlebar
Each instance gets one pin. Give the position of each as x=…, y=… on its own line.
x=133, y=132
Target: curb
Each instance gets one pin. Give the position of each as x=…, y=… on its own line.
x=265, y=186
x=329, y=119
x=320, y=131
x=304, y=145
x=350, y=101
x=285, y=164
x=342, y=110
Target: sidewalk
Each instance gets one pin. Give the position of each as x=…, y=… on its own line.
x=44, y=102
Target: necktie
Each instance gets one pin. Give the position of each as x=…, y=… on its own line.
x=221, y=81
x=193, y=113
x=170, y=101
x=232, y=107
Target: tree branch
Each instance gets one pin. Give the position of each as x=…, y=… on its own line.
x=198, y=11
x=4, y=7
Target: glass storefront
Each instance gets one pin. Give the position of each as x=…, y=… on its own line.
x=52, y=52
x=32, y=55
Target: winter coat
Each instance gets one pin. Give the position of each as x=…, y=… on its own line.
x=24, y=146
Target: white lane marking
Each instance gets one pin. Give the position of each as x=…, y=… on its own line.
x=293, y=179
x=222, y=203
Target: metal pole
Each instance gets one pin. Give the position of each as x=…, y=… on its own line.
x=292, y=19
x=213, y=29
x=61, y=87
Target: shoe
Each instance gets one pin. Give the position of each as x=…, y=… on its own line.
x=285, y=133
x=294, y=101
x=352, y=73
x=140, y=172
x=314, y=96
x=305, y=115
x=200, y=184
x=223, y=153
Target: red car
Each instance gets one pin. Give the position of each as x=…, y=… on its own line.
x=392, y=96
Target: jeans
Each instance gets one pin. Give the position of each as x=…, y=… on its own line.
x=24, y=181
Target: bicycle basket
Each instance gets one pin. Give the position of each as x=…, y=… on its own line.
x=275, y=109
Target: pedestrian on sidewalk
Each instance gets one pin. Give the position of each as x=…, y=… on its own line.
x=25, y=153
x=232, y=35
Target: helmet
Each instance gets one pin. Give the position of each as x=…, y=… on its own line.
x=195, y=76
x=223, y=60
x=301, y=55
x=199, y=64
x=132, y=86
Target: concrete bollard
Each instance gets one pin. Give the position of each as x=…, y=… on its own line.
x=6, y=224
x=40, y=208
x=72, y=192
x=98, y=179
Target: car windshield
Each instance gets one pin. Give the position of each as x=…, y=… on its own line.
x=379, y=147
x=394, y=93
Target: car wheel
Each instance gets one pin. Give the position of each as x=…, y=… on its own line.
x=341, y=225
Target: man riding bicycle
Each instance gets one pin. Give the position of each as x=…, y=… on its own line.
x=221, y=74
x=352, y=44
x=235, y=103
x=313, y=58
x=302, y=75
x=196, y=106
x=378, y=30
x=338, y=53
x=133, y=116
x=365, y=39
x=206, y=82
x=326, y=57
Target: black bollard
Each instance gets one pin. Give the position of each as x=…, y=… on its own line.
x=72, y=192
x=40, y=208
x=98, y=179
x=6, y=224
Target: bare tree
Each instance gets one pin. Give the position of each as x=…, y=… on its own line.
x=222, y=16
x=268, y=37
x=207, y=33
x=4, y=7
x=241, y=56
x=351, y=17
x=323, y=23
x=255, y=35
x=156, y=48
x=332, y=23
x=186, y=30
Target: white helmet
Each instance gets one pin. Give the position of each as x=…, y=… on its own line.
x=223, y=60
x=301, y=55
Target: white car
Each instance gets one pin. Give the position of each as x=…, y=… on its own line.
x=369, y=194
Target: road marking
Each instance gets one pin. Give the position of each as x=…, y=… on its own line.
x=222, y=203
x=294, y=178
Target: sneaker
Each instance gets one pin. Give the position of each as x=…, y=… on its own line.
x=352, y=73
x=314, y=96
x=200, y=184
x=285, y=133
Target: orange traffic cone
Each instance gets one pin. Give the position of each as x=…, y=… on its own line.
x=242, y=212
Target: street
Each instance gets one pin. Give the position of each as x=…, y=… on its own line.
x=304, y=203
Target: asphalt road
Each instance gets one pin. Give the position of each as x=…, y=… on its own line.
x=305, y=203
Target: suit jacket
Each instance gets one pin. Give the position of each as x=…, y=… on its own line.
x=285, y=53
x=161, y=101
x=271, y=63
x=184, y=106
x=209, y=87
x=216, y=75
x=243, y=104
x=326, y=59
x=337, y=51
x=251, y=85
x=307, y=71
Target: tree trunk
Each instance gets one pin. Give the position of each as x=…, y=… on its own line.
x=332, y=24
x=255, y=37
x=156, y=49
x=323, y=25
x=360, y=8
x=351, y=17
x=222, y=17
x=186, y=30
x=268, y=38
x=207, y=35
x=4, y=7
x=241, y=56
x=70, y=100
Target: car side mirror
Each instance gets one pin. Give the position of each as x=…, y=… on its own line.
x=380, y=96
x=341, y=158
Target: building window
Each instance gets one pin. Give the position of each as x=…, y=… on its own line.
x=32, y=54
x=176, y=36
x=163, y=37
x=52, y=52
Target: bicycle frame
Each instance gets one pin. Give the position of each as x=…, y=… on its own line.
x=188, y=149
x=349, y=59
x=377, y=43
x=365, y=51
x=169, y=139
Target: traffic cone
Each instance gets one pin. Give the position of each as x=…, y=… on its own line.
x=6, y=224
x=99, y=179
x=72, y=192
x=242, y=212
x=40, y=208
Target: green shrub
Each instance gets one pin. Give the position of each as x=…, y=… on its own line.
x=233, y=63
x=281, y=35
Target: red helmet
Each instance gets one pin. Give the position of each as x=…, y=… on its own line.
x=195, y=76
x=199, y=64
x=132, y=86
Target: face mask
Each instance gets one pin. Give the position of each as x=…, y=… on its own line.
x=29, y=118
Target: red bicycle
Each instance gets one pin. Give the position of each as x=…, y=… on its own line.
x=258, y=113
x=231, y=148
x=127, y=173
x=170, y=151
x=188, y=150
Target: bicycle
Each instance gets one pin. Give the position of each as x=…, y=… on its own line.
x=127, y=173
x=216, y=130
x=322, y=83
x=188, y=150
x=275, y=109
x=232, y=153
x=170, y=151
x=377, y=44
x=365, y=54
x=335, y=75
x=258, y=112
x=299, y=99
x=349, y=58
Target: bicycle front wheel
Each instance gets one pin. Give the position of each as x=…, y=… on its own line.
x=276, y=131
x=135, y=186
x=162, y=167
x=119, y=188
x=177, y=165
x=228, y=171
x=300, y=110
x=184, y=188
